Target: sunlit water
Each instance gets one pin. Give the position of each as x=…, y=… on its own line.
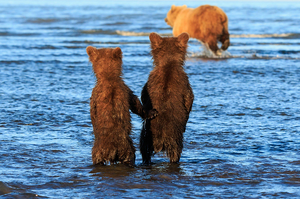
x=242, y=138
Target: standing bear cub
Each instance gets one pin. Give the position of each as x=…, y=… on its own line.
x=109, y=108
x=169, y=92
x=209, y=24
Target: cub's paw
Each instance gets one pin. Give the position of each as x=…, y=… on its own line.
x=152, y=114
x=130, y=160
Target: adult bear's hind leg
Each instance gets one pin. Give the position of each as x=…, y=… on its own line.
x=224, y=39
x=213, y=45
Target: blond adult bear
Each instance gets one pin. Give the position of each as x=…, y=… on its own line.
x=209, y=24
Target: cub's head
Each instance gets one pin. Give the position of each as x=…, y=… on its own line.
x=172, y=14
x=105, y=60
x=168, y=48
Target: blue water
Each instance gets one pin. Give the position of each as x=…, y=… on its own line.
x=242, y=138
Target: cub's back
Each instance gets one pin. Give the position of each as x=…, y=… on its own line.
x=110, y=99
x=167, y=88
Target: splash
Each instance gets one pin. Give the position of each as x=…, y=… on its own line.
x=207, y=53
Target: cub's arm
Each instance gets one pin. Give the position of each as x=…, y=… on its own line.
x=93, y=109
x=137, y=108
x=189, y=98
x=146, y=98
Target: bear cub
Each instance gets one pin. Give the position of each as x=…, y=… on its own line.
x=169, y=92
x=109, y=108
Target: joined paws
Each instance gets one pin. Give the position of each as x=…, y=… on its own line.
x=152, y=114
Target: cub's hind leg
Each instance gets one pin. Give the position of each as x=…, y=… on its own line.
x=146, y=143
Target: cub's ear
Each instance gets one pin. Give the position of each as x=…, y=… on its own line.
x=155, y=40
x=183, y=39
x=117, y=52
x=91, y=51
x=173, y=7
x=184, y=6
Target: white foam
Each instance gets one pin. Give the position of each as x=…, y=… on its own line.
x=261, y=35
x=207, y=53
x=128, y=33
x=132, y=33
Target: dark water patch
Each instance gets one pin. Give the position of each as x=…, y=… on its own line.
x=116, y=24
x=74, y=47
x=23, y=195
x=52, y=61
x=99, y=31
x=285, y=52
x=20, y=34
x=237, y=114
x=42, y=20
x=4, y=33
x=44, y=47
x=107, y=43
x=4, y=188
x=139, y=54
x=295, y=162
x=18, y=62
x=292, y=36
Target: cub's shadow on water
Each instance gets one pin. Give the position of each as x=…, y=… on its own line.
x=117, y=170
x=111, y=171
x=121, y=178
x=147, y=174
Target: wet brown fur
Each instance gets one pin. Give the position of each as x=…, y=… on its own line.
x=109, y=108
x=169, y=92
x=206, y=23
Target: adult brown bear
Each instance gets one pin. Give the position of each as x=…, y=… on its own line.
x=109, y=108
x=209, y=24
x=169, y=92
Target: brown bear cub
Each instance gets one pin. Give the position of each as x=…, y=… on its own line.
x=169, y=92
x=109, y=108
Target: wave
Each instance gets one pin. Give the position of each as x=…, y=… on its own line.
x=114, y=32
x=5, y=34
x=206, y=53
x=99, y=31
x=41, y=20
x=120, y=32
x=133, y=33
x=283, y=35
x=226, y=55
x=128, y=33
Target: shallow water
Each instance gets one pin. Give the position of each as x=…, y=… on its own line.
x=242, y=138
